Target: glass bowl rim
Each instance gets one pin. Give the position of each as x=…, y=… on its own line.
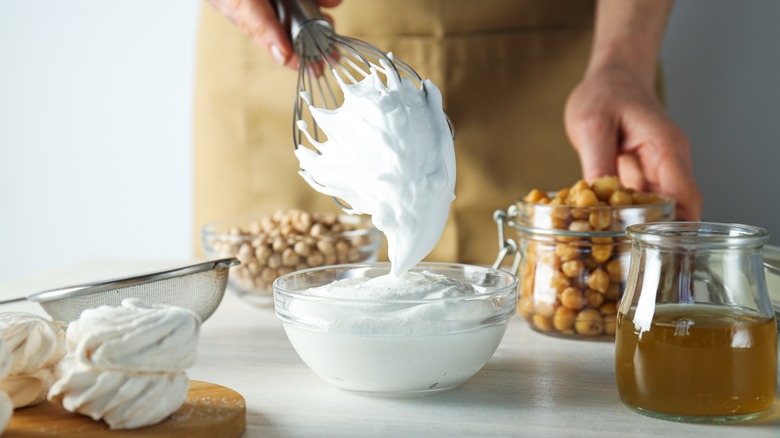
x=666, y=201
x=364, y=222
x=512, y=212
x=422, y=266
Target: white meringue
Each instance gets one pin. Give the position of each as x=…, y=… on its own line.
x=6, y=407
x=35, y=345
x=126, y=364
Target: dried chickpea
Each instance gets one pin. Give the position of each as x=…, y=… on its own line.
x=278, y=243
x=572, y=298
x=589, y=322
x=598, y=280
x=315, y=259
x=563, y=319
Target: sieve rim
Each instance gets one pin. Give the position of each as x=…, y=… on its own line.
x=120, y=282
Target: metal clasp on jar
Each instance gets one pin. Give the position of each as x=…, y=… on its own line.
x=506, y=246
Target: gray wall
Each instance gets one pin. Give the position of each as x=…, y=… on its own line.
x=722, y=63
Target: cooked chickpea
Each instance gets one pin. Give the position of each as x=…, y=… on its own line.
x=572, y=298
x=598, y=280
x=579, y=186
x=586, y=272
x=534, y=196
x=610, y=324
x=589, y=322
x=613, y=292
x=608, y=308
x=526, y=308
x=559, y=282
x=615, y=270
x=572, y=268
x=620, y=198
x=585, y=198
x=567, y=252
x=601, y=253
x=600, y=218
x=594, y=298
x=542, y=322
x=563, y=319
x=605, y=186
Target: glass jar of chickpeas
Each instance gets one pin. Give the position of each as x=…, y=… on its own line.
x=574, y=254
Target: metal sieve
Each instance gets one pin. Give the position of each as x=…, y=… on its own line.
x=197, y=287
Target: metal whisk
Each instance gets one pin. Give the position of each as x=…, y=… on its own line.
x=323, y=56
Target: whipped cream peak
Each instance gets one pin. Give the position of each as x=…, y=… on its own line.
x=135, y=336
x=389, y=153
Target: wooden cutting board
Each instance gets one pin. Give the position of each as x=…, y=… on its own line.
x=209, y=411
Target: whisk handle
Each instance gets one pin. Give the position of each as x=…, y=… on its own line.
x=296, y=14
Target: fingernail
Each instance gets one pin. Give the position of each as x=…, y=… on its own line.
x=276, y=52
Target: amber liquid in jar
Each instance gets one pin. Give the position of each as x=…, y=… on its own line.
x=697, y=360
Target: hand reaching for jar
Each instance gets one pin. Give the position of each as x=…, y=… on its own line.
x=613, y=117
x=257, y=18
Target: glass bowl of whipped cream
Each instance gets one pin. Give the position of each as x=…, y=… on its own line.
x=428, y=330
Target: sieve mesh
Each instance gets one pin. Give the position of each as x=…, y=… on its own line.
x=200, y=291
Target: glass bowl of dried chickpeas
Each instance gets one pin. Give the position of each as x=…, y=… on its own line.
x=575, y=254
x=273, y=245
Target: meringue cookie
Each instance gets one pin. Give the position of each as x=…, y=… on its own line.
x=125, y=365
x=35, y=345
x=6, y=406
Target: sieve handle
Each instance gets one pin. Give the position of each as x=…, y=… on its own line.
x=13, y=300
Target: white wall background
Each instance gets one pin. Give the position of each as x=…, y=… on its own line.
x=95, y=123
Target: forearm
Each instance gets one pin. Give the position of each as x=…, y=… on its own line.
x=628, y=35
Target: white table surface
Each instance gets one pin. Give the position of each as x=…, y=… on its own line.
x=534, y=385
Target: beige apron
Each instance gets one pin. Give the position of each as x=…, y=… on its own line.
x=505, y=68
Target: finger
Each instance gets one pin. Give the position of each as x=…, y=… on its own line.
x=596, y=141
x=328, y=3
x=258, y=19
x=677, y=181
x=629, y=170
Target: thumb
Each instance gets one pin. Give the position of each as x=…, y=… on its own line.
x=595, y=140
